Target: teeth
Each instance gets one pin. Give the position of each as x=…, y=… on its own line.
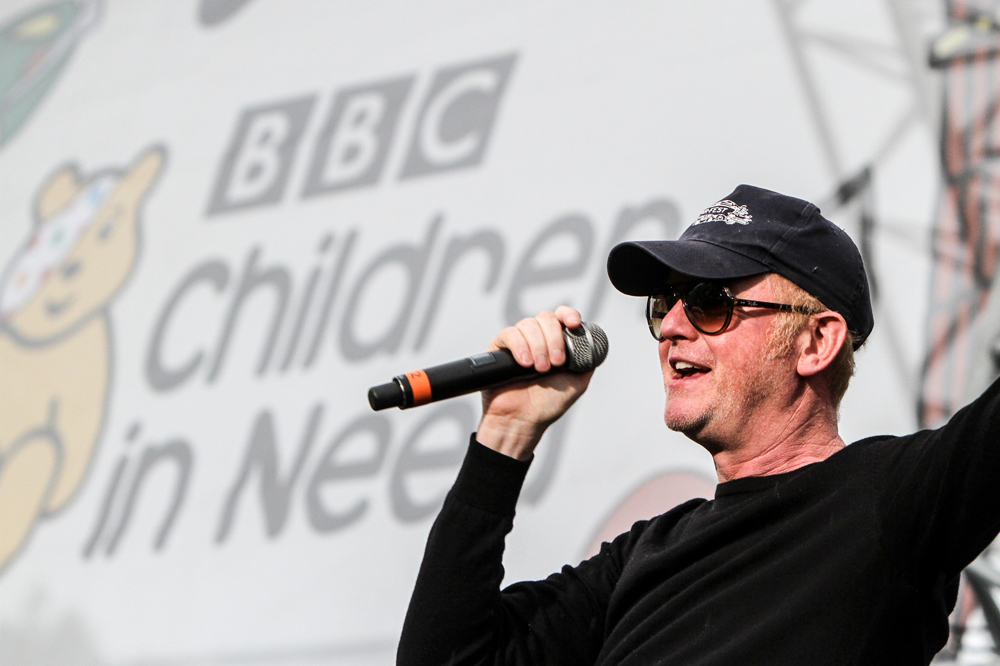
x=684, y=366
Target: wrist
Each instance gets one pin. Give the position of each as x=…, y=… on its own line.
x=511, y=437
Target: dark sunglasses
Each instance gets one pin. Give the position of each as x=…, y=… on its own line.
x=708, y=306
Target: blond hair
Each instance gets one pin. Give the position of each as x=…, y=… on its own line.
x=787, y=326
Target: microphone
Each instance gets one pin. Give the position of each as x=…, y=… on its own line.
x=586, y=348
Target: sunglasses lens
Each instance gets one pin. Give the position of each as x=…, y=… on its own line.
x=708, y=306
x=657, y=308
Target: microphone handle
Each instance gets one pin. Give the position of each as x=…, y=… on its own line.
x=466, y=375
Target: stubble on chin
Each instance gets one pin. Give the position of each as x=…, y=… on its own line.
x=684, y=423
x=687, y=422
x=734, y=398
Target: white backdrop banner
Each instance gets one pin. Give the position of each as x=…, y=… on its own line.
x=223, y=220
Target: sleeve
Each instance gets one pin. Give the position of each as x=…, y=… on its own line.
x=936, y=491
x=458, y=614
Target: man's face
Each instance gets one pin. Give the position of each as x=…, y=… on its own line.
x=719, y=385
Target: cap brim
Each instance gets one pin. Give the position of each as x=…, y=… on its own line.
x=641, y=268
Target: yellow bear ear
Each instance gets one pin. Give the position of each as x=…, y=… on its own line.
x=143, y=172
x=58, y=192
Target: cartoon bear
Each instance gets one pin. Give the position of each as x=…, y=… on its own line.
x=55, y=337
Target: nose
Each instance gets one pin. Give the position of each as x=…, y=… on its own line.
x=676, y=325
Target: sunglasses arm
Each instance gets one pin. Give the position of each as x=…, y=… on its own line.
x=801, y=309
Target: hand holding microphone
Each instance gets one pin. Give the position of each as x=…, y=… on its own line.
x=586, y=348
x=514, y=417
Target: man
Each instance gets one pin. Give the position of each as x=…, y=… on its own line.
x=812, y=552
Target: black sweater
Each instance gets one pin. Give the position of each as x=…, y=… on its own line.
x=853, y=560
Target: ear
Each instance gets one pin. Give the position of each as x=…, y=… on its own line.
x=820, y=342
x=138, y=179
x=57, y=193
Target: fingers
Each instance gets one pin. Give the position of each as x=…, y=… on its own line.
x=569, y=317
x=538, y=340
x=526, y=341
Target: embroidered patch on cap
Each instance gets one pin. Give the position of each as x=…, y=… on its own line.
x=725, y=211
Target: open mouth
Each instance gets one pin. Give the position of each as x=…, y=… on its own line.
x=685, y=369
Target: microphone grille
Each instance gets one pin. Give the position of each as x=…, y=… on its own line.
x=586, y=347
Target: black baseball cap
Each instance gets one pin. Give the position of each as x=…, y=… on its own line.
x=754, y=231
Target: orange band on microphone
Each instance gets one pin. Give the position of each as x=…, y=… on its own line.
x=421, y=387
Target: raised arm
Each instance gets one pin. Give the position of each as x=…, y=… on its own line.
x=937, y=491
x=458, y=614
x=516, y=415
